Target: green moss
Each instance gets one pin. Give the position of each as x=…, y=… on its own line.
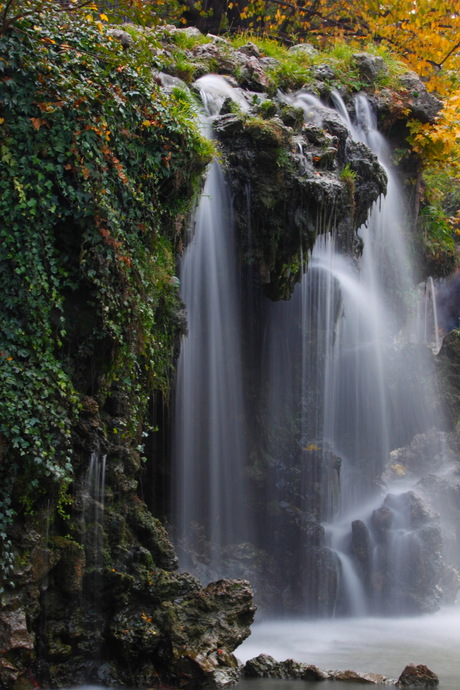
x=268, y=133
x=297, y=69
x=267, y=109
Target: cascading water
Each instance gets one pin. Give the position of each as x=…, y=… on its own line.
x=342, y=384
x=363, y=393
x=345, y=385
x=210, y=447
x=93, y=512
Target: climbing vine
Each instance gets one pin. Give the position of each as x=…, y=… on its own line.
x=96, y=164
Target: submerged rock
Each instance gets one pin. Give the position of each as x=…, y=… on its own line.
x=357, y=677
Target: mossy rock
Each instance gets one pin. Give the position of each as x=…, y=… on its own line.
x=151, y=533
x=70, y=569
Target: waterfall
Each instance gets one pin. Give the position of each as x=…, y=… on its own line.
x=341, y=369
x=374, y=391
x=209, y=438
x=336, y=520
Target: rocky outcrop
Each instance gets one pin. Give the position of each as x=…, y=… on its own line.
x=106, y=604
x=265, y=666
x=302, y=177
x=424, y=106
x=206, y=627
x=417, y=676
x=272, y=149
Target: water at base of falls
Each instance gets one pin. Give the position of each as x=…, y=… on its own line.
x=368, y=645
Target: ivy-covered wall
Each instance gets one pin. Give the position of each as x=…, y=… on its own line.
x=97, y=172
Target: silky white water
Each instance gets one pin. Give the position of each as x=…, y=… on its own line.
x=361, y=394
x=209, y=447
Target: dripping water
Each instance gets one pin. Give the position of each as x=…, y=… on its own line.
x=93, y=520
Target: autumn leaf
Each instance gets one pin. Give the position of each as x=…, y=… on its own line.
x=36, y=122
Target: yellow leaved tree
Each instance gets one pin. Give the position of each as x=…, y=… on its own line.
x=424, y=33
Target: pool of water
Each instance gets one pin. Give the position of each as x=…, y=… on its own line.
x=369, y=645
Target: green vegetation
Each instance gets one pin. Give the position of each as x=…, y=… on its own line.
x=96, y=165
x=297, y=68
x=438, y=241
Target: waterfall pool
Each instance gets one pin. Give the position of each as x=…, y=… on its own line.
x=369, y=645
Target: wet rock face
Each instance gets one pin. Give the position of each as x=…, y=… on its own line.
x=400, y=555
x=448, y=364
x=287, y=187
x=432, y=458
x=108, y=606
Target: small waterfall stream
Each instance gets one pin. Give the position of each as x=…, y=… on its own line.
x=93, y=511
x=210, y=446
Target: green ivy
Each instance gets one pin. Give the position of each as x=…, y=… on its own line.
x=96, y=164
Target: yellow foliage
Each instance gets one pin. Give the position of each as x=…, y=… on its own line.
x=312, y=446
x=441, y=140
x=424, y=33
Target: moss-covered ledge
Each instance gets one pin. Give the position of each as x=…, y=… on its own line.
x=291, y=183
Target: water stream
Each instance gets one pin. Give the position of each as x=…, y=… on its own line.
x=209, y=442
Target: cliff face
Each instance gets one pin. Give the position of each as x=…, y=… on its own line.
x=99, y=164
x=98, y=170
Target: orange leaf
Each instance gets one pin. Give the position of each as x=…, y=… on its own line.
x=36, y=122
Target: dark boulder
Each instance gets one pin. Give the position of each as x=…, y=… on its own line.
x=371, y=67
x=424, y=106
x=417, y=676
